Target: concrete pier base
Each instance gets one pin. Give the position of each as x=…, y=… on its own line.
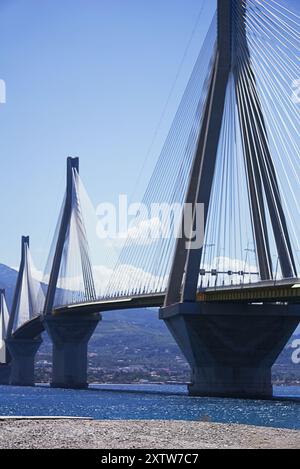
x=238, y=382
x=23, y=352
x=70, y=336
x=5, y=370
x=231, y=348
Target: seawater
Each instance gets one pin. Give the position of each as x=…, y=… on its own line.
x=151, y=402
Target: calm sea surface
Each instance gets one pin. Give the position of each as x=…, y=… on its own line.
x=150, y=402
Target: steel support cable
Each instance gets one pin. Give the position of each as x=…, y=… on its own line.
x=222, y=156
x=170, y=93
x=83, y=243
x=250, y=138
x=88, y=209
x=180, y=120
x=185, y=106
x=279, y=135
x=285, y=139
x=212, y=218
x=275, y=23
x=226, y=179
x=263, y=156
x=22, y=310
x=239, y=118
x=34, y=287
x=181, y=201
x=212, y=209
x=175, y=197
x=282, y=65
x=161, y=173
x=4, y=318
x=284, y=142
x=268, y=171
x=264, y=59
x=267, y=3
x=236, y=191
x=272, y=32
x=254, y=130
x=180, y=184
x=276, y=174
x=233, y=246
x=222, y=208
x=271, y=3
x=64, y=286
x=285, y=60
x=277, y=65
x=171, y=243
x=251, y=121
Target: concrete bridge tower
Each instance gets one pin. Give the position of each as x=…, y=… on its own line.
x=70, y=333
x=232, y=347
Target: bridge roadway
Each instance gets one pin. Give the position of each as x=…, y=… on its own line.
x=268, y=291
x=287, y=290
x=35, y=327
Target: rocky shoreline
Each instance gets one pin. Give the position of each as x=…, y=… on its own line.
x=90, y=434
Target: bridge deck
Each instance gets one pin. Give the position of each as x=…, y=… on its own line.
x=268, y=291
x=29, y=329
x=281, y=290
x=135, y=302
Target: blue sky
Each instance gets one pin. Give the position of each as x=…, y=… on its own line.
x=86, y=78
x=89, y=79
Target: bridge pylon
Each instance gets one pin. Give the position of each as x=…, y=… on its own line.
x=5, y=367
x=231, y=348
x=23, y=350
x=70, y=333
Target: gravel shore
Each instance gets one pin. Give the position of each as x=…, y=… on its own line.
x=87, y=434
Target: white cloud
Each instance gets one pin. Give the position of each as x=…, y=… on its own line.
x=144, y=233
x=227, y=263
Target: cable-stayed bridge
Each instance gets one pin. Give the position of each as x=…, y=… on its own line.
x=231, y=301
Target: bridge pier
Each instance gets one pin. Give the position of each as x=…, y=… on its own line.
x=5, y=367
x=5, y=370
x=23, y=352
x=231, y=348
x=70, y=335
